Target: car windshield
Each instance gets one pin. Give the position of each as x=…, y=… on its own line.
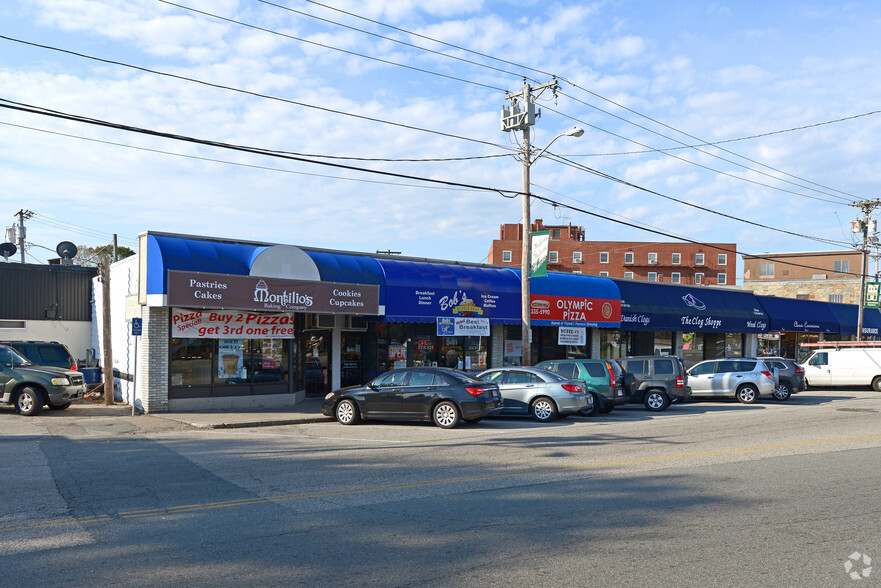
x=462, y=377
x=549, y=376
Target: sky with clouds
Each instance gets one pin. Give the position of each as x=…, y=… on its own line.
x=765, y=112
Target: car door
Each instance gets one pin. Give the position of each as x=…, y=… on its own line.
x=419, y=393
x=384, y=397
x=517, y=390
x=701, y=378
x=6, y=374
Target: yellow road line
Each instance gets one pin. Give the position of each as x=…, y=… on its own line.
x=424, y=483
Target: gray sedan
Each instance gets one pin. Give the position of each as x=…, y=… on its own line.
x=538, y=392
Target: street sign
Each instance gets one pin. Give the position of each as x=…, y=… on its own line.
x=137, y=327
x=873, y=289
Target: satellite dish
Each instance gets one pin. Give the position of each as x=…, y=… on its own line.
x=7, y=249
x=66, y=250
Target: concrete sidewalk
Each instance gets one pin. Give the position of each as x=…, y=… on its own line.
x=307, y=411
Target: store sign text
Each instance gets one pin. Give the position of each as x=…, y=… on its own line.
x=200, y=324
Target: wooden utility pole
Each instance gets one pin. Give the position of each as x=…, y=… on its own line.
x=105, y=307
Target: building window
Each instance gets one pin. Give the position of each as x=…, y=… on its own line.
x=767, y=269
x=628, y=275
x=676, y=258
x=555, y=234
x=628, y=257
x=653, y=259
x=653, y=276
x=722, y=279
x=836, y=298
x=842, y=267
x=604, y=274
x=698, y=259
x=553, y=257
x=576, y=257
x=675, y=278
x=698, y=278
x=506, y=257
x=604, y=257
x=723, y=259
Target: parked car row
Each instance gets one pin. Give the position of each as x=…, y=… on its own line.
x=558, y=388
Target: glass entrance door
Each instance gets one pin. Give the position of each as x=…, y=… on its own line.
x=351, y=368
x=317, y=362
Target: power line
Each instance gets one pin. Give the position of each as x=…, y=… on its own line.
x=698, y=139
x=574, y=85
x=9, y=104
x=697, y=206
x=235, y=163
x=332, y=48
x=255, y=94
x=507, y=193
x=747, y=138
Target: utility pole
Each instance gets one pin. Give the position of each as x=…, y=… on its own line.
x=104, y=276
x=862, y=226
x=519, y=117
x=22, y=215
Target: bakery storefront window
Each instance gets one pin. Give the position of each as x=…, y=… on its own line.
x=201, y=365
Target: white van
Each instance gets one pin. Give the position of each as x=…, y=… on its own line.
x=854, y=366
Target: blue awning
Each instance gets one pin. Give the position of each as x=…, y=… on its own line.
x=793, y=315
x=574, y=300
x=650, y=306
x=175, y=253
x=422, y=292
x=847, y=316
x=349, y=269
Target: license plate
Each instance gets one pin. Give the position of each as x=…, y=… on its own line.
x=620, y=392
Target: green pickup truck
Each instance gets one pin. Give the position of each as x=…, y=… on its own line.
x=29, y=387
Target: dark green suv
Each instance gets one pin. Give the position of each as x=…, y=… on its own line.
x=28, y=387
x=44, y=353
x=603, y=379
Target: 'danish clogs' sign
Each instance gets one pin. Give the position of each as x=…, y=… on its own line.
x=205, y=290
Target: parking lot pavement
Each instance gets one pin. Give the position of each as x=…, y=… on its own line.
x=118, y=419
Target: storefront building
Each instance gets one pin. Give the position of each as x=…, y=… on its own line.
x=692, y=322
x=228, y=324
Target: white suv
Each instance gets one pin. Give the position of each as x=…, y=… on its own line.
x=743, y=378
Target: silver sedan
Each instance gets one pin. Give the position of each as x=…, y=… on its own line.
x=538, y=392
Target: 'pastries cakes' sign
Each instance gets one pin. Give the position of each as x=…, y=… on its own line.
x=203, y=290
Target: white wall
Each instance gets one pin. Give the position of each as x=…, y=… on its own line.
x=123, y=284
x=75, y=335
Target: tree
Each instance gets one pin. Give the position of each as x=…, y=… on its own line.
x=94, y=256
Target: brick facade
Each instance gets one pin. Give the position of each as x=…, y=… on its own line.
x=684, y=263
x=154, y=359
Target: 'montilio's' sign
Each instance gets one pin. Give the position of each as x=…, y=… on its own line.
x=204, y=290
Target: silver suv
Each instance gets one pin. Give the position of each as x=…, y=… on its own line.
x=740, y=377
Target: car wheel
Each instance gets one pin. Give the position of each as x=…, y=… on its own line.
x=782, y=391
x=656, y=400
x=876, y=384
x=747, y=394
x=347, y=413
x=59, y=406
x=543, y=409
x=591, y=409
x=446, y=415
x=29, y=402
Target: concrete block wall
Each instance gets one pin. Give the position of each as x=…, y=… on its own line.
x=153, y=377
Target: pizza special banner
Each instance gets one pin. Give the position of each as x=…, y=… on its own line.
x=203, y=324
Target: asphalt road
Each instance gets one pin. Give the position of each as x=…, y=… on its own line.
x=703, y=494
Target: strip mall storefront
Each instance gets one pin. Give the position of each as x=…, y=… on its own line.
x=694, y=323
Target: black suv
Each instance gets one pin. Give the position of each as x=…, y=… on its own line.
x=50, y=353
x=604, y=379
x=657, y=380
x=791, y=376
x=28, y=387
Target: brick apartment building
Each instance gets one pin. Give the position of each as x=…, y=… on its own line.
x=827, y=276
x=679, y=263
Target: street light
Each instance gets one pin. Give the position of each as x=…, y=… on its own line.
x=526, y=259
